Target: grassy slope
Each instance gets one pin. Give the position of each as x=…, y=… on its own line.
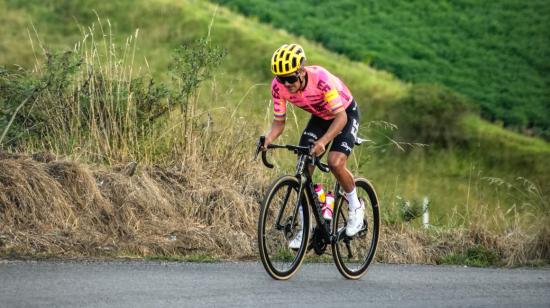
x=450, y=179
x=494, y=52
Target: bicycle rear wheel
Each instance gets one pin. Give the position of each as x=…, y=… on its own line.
x=279, y=223
x=352, y=255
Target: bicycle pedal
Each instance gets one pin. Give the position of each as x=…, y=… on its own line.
x=341, y=234
x=364, y=229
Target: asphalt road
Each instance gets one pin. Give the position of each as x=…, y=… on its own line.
x=245, y=284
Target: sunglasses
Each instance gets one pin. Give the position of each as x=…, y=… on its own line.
x=289, y=79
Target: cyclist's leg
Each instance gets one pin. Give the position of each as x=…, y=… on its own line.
x=341, y=148
x=315, y=129
x=337, y=160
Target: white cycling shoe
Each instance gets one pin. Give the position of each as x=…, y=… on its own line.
x=296, y=242
x=355, y=219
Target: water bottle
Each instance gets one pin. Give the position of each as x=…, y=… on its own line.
x=328, y=207
x=320, y=193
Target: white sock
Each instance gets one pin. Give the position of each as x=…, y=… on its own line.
x=353, y=201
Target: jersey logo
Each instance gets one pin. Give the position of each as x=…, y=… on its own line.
x=323, y=86
x=319, y=108
x=346, y=146
x=275, y=92
x=310, y=134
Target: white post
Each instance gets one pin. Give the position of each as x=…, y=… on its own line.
x=425, y=214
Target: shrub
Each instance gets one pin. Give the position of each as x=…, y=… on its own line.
x=430, y=114
x=478, y=256
x=410, y=210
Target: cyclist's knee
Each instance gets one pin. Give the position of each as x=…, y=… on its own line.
x=337, y=160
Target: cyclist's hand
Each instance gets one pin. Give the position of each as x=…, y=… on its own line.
x=318, y=148
x=261, y=144
x=266, y=143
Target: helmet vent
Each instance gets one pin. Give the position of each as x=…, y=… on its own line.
x=287, y=59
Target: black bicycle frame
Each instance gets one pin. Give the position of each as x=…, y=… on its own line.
x=306, y=183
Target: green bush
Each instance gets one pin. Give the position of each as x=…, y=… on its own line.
x=430, y=114
x=410, y=210
x=478, y=256
x=20, y=92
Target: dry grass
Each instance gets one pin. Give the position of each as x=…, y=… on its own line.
x=66, y=209
x=518, y=243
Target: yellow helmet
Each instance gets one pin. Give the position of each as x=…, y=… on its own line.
x=287, y=59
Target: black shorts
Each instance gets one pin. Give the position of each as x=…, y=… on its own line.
x=344, y=141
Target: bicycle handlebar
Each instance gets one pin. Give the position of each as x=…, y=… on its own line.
x=299, y=150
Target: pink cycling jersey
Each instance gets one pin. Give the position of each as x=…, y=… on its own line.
x=324, y=95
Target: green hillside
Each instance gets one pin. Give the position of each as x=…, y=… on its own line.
x=453, y=177
x=497, y=53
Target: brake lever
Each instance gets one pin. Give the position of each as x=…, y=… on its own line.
x=259, y=145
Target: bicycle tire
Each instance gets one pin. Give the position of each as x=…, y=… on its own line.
x=274, y=252
x=362, y=247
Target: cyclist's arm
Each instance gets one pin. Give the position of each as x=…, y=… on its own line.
x=279, y=115
x=277, y=128
x=335, y=128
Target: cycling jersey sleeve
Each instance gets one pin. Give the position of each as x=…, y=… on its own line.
x=279, y=103
x=334, y=100
x=330, y=90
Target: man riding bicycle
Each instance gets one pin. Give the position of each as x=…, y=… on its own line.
x=335, y=118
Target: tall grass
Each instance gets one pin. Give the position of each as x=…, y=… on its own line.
x=95, y=102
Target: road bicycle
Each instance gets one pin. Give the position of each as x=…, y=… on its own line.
x=285, y=211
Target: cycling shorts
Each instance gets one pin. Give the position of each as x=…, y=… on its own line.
x=344, y=141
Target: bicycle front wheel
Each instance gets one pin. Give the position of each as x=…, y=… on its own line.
x=281, y=222
x=353, y=255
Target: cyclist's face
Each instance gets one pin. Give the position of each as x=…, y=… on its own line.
x=291, y=81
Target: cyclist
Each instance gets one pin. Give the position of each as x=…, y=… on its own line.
x=334, y=118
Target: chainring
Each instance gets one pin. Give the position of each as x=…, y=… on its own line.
x=318, y=242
